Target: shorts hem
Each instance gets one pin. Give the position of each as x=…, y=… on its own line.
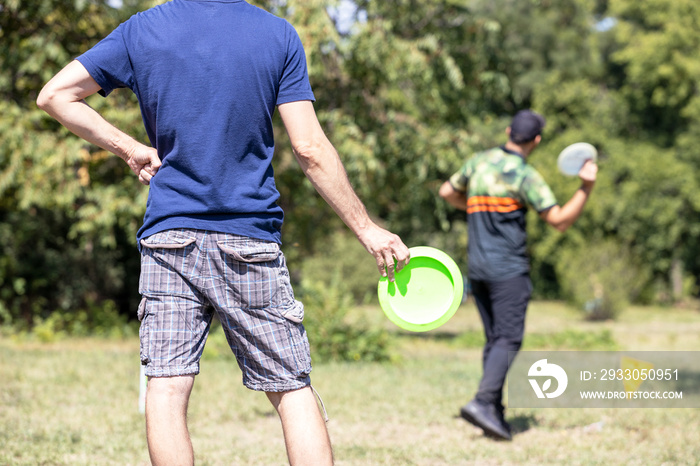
x=278, y=386
x=171, y=371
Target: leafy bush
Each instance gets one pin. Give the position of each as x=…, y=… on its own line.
x=43, y=269
x=356, y=269
x=103, y=321
x=601, y=279
x=331, y=335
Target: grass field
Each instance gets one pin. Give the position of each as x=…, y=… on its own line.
x=75, y=402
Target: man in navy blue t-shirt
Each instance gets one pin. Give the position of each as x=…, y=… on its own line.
x=208, y=76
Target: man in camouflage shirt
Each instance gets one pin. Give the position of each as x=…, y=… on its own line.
x=495, y=188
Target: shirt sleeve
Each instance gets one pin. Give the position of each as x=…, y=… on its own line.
x=537, y=192
x=108, y=62
x=460, y=180
x=294, y=83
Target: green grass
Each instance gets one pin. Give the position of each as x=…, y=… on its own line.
x=75, y=402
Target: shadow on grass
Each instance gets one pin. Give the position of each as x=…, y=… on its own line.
x=522, y=423
x=438, y=335
x=466, y=339
x=567, y=339
x=688, y=382
x=518, y=424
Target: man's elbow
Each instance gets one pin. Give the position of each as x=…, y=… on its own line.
x=46, y=98
x=560, y=227
x=445, y=190
x=560, y=224
x=556, y=218
x=309, y=153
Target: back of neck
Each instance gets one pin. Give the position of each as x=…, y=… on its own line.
x=524, y=149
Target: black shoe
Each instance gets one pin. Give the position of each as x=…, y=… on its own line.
x=500, y=411
x=486, y=417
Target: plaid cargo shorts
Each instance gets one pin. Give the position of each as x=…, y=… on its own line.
x=188, y=275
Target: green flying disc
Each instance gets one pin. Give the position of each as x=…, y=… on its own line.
x=425, y=294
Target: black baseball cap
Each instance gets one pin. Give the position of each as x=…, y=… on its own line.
x=526, y=126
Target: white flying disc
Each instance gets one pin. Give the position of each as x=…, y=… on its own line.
x=573, y=157
x=425, y=294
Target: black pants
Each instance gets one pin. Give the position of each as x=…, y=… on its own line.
x=502, y=306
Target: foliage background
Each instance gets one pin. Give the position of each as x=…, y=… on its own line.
x=406, y=90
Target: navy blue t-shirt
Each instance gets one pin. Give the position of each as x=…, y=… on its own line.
x=208, y=75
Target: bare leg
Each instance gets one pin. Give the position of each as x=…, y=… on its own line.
x=305, y=433
x=166, y=420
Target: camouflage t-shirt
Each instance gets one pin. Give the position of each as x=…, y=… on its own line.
x=499, y=185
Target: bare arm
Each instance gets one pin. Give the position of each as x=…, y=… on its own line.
x=453, y=197
x=563, y=217
x=322, y=166
x=63, y=98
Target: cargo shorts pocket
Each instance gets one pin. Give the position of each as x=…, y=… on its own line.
x=168, y=239
x=144, y=332
x=169, y=247
x=165, y=258
x=289, y=307
x=293, y=313
x=251, y=273
x=262, y=252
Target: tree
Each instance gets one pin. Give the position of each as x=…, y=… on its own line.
x=406, y=94
x=64, y=222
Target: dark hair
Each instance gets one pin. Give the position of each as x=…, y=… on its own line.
x=526, y=126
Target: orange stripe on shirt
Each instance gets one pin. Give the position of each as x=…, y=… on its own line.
x=492, y=204
x=492, y=200
x=471, y=210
